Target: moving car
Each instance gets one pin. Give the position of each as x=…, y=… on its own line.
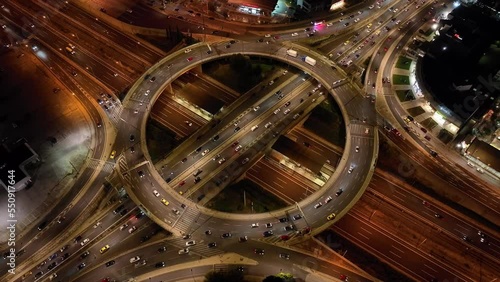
x=104, y=249
x=84, y=255
x=134, y=259
x=260, y=252
x=165, y=202
x=339, y=192
x=331, y=216
x=284, y=256
x=183, y=251
x=268, y=233
x=85, y=241
x=160, y=264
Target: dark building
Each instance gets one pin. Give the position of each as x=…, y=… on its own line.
x=13, y=175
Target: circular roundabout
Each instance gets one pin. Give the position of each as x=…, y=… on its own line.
x=183, y=217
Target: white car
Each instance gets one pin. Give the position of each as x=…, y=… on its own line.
x=286, y=112
x=351, y=168
x=205, y=152
x=132, y=229
x=187, y=51
x=255, y=225
x=295, y=34
x=85, y=241
x=268, y=125
x=190, y=243
x=328, y=199
x=267, y=35
x=147, y=92
x=256, y=108
x=134, y=259
x=329, y=24
x=269, y=225
x=156, y=193
x=183, y=251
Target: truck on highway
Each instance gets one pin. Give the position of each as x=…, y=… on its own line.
x=310, y=61
x=291, y=52
x=69, y=50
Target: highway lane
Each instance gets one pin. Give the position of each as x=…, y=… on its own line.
x=280, y=181
x=127, y=43
x=73, y=246
x=121, y=243
x=104, y=69
x=456, y=226
x=201, y=81
x=176, y=117
x=385, y=246
x=318, y=146
x=246, y=122
x=415, y=225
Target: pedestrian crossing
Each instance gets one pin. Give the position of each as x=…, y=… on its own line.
x=94, y=164
x=184, y=222
x=123, y=169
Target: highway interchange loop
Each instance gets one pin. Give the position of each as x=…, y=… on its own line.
x=141, y=177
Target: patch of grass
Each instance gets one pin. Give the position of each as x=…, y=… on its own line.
x=160, y=140
x=400, y=79
x=231, y=199
x=429, y=123
x=416, y=111
x=403, y=63
x=405, y=95
x=326, y=121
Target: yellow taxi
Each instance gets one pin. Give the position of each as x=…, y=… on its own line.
x=331, y=216
x=104, y=249
x=113, y=154
x=165, y=202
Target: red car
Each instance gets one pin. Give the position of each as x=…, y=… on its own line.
x=342, y=277
x=284, y=237
x=189, y=59
x=182, y=183
x=276, y=37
